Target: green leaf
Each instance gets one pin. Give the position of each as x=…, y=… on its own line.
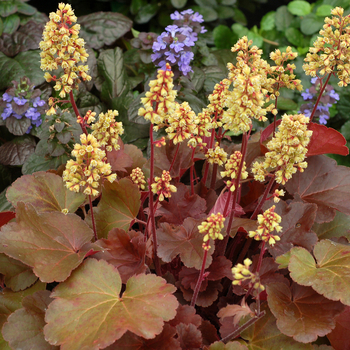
x=17, y=275
x=240, y=17
x=299, y=8
x=45, y=191
x=52, y=243
x=264, y=335
x=228, y=2
x=225, y=12
x=223, y=37
x=339, y=227
x=146, y=13
x=16, y=151
x=294, y=36
x=195, y=103
x=25, y=9
x=283, y=18
x=7, y=8
x=311, y=24
x=110, y=65
x=232, y=345
x=103, y=28
x=213, y=75
x=90, y=303
x=4, y=204
x=329, y=275
x=178, y=4
x=24, y=328
x=36, y=163
x=324, y=10
x=268, y=21
x=184, y=240
x=208, y=13
x=11, y=23
x=118, y=206
x=286, y=104
x=292, y=304
x=1, y=26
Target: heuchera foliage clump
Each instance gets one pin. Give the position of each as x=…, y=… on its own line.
x=208, y=244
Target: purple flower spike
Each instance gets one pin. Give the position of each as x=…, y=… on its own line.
x=307, y=95
x=7, y=111
x=6, y=97
x=323, y=119
x=37, y=102
x=20, y=101
x=334, y=95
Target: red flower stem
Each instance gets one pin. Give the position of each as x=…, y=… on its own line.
x=76, y=111
x=263, y=199
x=319, y=96
x=215, y=167
x=93, y=219
x=151, y=205
x=262, y=252
x=239, y=330
x=191, y=172
x=204, y=179
x=200, y=277
x=173, y=161
x=228, y=200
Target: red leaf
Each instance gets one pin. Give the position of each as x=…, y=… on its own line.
x=189, y=336
x=339, y=337
x=220, y=204
x=268, y=131
x=182, y=205
x=6, y=216
x=324, y=183
x=326, y=140
x=186, y=314
x=126, y=251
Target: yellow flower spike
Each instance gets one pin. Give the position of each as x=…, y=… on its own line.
x=162, y=186
x=161, y=96
x=212, y=227
x=242, y=273
x=89, y=168
x=107, y=130
x=138, y=178
x=287, y=149
x=59, y=48
x=232, y=168
x=216, y=155
x=268, y=222
x=330, y=51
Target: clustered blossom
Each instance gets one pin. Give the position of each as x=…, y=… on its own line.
x=61, y=46
x=249, y=79
x=181, y=123
x=162, y=186
x=277, y=194
x=175, y=44
x=160, y=100
x=204, y=124
x=330, y=51
x=107, y=130
x=216, y=155
x=211, y=228
x=241, y=273
x=328, y=98
x=280, y=76
x=268, y=222
x=89, y=168
x=138, y=178
x=22, y=101
x=232, y=169
x=287, y=149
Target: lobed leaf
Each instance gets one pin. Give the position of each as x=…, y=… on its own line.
x=88, y=311
x=124, y=250
x=232, y=345
x=52, y=243
x=302, y=313
x=182, y=205
x=45, y=191
x=18, y=276
x=118, y=206
x=339, y=337
x=24, y=328
x=330, y=276
x=184, y=240
x=324, y=183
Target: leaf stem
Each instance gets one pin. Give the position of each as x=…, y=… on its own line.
x=93, y=218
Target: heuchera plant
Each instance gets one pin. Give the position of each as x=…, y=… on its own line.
x=207, y=244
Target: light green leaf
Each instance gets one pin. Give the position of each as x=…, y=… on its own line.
x=329, y=275
x=268, y=21
x=283, y=18
x=299, y=8
x=311, y=24
x=89, y=313
x=324, y=10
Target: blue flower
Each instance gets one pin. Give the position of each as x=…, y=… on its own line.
x=334, y=95
x=323, y=119
x=37, y=102
x=17, y=116
x=32, y=113
x=7, y=111
x=307, y=95
x=20, y=101
x=6, y=97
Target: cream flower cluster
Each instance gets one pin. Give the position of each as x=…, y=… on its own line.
x=211, y=228
x=242, y=273
x=162, y=186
